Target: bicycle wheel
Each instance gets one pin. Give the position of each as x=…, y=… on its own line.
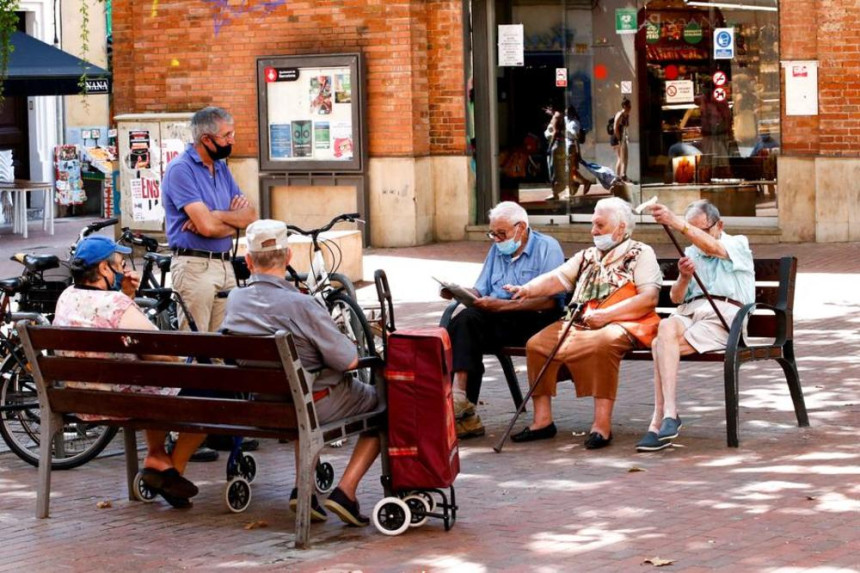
x=338, y=280
x=350, y=319
x=19, y=428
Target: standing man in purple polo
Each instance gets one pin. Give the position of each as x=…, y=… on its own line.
x=204, y=209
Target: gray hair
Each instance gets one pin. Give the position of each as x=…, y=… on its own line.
x=620, y=211
x=207, y=122
x=509, y=211
x=703, y=207
x=269, y=259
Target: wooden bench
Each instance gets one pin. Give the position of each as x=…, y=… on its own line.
x=276, y=371
x=763, y=330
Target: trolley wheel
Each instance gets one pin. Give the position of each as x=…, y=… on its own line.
x=428, y=497
x=248, y=467
x=324, y=475
x=141, y=491
x=419, y=507
x=237, y=494
x=391, y=516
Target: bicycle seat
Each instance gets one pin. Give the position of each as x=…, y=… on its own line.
x=10, y=286
x=161, y=261
x=35, y=263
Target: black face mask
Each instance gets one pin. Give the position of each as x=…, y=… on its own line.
x=221, y=151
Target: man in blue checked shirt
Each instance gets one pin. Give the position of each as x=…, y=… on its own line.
x=518, y=254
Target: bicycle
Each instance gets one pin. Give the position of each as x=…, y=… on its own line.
x=340, y=301
x=36, y=300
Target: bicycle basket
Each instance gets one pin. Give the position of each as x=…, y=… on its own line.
x=41, y=298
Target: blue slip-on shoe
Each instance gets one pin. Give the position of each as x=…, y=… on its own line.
x=670, y=428
x=346, y=509
x=651, y=443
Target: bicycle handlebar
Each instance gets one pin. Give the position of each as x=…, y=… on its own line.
x=139, y=239
x=98, y=225
x=350, y=217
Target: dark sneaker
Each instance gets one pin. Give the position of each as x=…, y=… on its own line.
x=318, y=514
x=168, y=481
x=346, y=509
x=651, y=443
x=470, y=427
x=204, y=454
x=670, y=428
x=529, y=435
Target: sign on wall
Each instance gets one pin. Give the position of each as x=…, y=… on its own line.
x=310, y=112
x=801, y=87
x=511, y=50
x=625, y=20
x=679, y=91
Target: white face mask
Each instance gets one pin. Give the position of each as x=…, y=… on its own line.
x=604, y=242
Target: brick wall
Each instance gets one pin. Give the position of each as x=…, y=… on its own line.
x=824, y=30
x=173, y=55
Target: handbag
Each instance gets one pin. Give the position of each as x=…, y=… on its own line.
x=642, y=329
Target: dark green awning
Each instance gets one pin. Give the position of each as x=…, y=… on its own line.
x=39, y=69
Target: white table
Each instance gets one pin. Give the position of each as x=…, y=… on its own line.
x=19, y=189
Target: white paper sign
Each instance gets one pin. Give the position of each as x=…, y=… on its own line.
x=626, y=87
x=724, y=43
x=146, y=200
x=679, y=91
x=801, y=88
x=511, y=50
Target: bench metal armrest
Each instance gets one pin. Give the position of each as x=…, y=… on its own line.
x=368, y=362
x=737, y=336
x=448, y=314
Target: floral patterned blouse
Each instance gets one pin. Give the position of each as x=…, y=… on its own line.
x=92, y=308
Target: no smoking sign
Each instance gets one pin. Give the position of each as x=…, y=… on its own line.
x=720, y=78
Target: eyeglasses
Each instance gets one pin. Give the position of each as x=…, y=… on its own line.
x=501, y=235
x=226, y=136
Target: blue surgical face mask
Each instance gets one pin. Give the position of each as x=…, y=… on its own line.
x=510, y=246
x=118, y=276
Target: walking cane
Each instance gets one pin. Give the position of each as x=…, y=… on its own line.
x=699, y=282
x=576, y=309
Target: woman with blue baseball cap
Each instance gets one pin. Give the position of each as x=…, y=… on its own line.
x=102, y=296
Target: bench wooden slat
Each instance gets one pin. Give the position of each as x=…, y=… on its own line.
x=156, y=342
x=157, y=408
x=170, y=374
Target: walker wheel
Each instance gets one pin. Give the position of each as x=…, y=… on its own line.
x=141, y=491
x=419, y=507
x=324, y=475
x=237, y=494
x=248, y=467
x=391, y=516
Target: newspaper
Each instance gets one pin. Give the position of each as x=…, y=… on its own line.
x=460, y=294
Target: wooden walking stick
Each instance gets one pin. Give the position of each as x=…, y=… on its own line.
x=699, y=282
x=576, y=308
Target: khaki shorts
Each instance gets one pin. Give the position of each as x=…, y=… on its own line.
x=199, y=280
x=702, y=329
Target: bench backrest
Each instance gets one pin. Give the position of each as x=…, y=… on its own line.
x=113, y=359
x=774, y=285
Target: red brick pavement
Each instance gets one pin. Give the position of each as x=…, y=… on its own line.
x=786, y=500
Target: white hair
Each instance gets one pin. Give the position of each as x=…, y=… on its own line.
x=619, y=211
x=509, y=211
x=703, y=207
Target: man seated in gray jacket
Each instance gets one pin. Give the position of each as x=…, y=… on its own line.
x=270, y=304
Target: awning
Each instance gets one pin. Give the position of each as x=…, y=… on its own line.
x=39, y=69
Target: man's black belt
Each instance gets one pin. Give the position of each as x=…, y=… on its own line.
x=204, y=254
x=718, y=297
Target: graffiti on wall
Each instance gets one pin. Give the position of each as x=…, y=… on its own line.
x=227, y=11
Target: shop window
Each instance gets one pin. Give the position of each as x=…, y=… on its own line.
x=709, y=103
